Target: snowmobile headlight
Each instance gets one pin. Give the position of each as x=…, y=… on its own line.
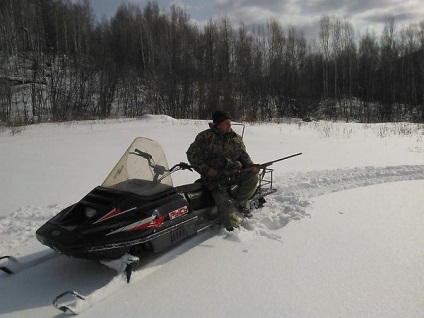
x=89, y=212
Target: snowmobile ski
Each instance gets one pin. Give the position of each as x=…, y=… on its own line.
x=13, y=266
x=7, y=269
x=68, y=307
x=73, y=303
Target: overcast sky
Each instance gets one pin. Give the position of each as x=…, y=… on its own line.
x=301, y=14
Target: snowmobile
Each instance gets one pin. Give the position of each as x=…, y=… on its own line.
x=137, y=207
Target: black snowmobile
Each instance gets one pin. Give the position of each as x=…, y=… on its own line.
x=137, y=207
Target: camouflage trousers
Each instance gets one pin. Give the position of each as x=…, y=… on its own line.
x=228, y=196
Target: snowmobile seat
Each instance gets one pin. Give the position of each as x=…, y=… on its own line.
x=197, y=195
x=191, y=188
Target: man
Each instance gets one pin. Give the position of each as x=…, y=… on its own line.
x=219, y=155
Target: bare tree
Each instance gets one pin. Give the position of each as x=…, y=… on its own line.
x=368, y=63
x=325, y=33
x=388, y=57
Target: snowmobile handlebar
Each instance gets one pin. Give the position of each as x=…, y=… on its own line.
x=178, y=166
x=181, y=166
x=158, y=169
x=143, y=154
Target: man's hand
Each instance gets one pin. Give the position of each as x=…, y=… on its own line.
x=255, y=168
x=212, y=172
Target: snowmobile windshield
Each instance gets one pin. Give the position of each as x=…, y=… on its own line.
x=142, y=169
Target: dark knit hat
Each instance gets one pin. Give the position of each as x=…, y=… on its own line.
x=219, y=116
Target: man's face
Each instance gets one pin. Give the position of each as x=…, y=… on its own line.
x=225, y=126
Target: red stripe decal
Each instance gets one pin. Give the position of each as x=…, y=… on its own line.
x=157, y=222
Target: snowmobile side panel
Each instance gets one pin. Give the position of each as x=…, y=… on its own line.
x=175, y=235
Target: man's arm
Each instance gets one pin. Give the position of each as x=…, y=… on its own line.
x=195, y=155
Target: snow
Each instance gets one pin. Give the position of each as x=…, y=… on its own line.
x=342, y=237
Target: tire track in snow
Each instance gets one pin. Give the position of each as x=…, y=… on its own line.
x=295, y=190
x=315, y=183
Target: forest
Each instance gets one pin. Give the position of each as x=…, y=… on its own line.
x=58, y=63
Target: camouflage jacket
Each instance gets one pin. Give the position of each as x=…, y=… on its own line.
x=213, y=149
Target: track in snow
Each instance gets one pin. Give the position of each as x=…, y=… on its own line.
x=315, y=183
x=295, y=190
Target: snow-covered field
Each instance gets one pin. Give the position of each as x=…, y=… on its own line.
x=342, y=237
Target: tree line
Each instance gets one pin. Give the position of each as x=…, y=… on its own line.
x=58, y=63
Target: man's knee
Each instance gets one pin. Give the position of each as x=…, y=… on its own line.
x=247, y=187
x=251, y=181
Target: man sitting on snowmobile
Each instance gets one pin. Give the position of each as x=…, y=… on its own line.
x=219, y=154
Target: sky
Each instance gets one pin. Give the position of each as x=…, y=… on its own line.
x=304, y=15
